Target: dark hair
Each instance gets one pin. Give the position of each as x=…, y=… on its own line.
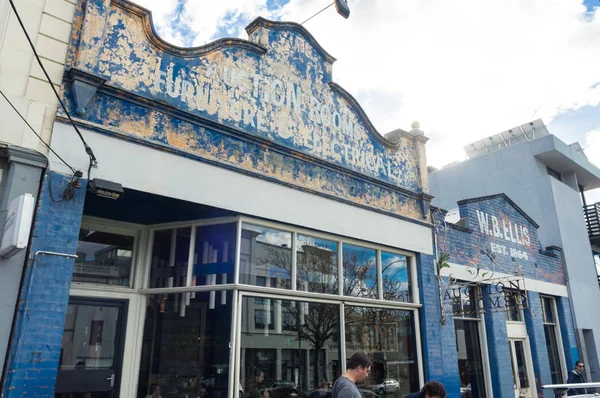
x=578, y=362
x=434, y=389
x=359, y=359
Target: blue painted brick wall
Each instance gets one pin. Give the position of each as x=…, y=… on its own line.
x=567, y=331
x=439, y=341
x=36, y=344
x=537, y=341
x=498, y=351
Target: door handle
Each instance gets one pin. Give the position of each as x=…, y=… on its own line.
x=111, y=379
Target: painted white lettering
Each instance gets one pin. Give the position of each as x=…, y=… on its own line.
x=294, y=98
x=325, y=115
x=483, y=225
x=314, y=113
x=496, y=227
x=278, y=92
x=187, y=92
x=526, y=239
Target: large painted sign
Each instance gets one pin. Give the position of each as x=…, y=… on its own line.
x=276, y=86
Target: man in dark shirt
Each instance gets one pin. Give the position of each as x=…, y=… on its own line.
x=357, y=370
x=433, y=389
x=575, y=377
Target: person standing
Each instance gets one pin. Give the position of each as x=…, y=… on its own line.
x=358, y=369
x=433, y=389
x=576, y=377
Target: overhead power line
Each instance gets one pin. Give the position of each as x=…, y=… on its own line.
x=88, y=149
x=314, y=15
x=34, y=132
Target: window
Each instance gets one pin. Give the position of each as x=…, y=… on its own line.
x=266, y=253
x=360, y=272
x=185, y=352
x=514, y=302
x=395, y=277
x=299, y=353
x=554, y=173
x=103, y=257
x=552, y=345
x=394, y=360
x=468, y=341
x=170, y=254
x=317, y=269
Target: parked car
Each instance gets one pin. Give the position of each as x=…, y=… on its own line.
x=281, y=389
x=386, y=386
x=368, y=393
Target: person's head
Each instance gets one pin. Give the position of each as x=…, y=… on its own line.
x=579, y=366
x=359, y=366
x=259, y=375
x=156, y=390
x=433, y=389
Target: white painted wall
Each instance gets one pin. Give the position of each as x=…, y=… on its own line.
x=48, y=23
x=158, y=172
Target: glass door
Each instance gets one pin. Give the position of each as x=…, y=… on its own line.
x=521, y=365
x=92, y=349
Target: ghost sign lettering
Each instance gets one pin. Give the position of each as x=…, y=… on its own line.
x=276, y=86
x=507, y=231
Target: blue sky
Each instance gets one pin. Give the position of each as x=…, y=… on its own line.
x=465, y=70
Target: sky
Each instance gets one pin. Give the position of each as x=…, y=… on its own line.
x=464, y=69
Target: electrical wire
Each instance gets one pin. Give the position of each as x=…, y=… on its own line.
x=36, y=134
x=305, y=20
x=88, y=149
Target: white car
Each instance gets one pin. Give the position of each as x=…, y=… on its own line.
x=385, y=386
x=560, y=390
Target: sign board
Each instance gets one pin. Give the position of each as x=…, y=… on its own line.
x=17, y=226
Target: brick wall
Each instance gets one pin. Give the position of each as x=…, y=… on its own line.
x=465, y=244
x=439, y=340
x=567, y=331
x=35, y=351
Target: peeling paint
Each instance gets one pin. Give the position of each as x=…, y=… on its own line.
x=282, y=96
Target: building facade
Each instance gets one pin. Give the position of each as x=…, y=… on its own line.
x=546, y=177
x=263, y=225
x=505, y=294
x=23, y=156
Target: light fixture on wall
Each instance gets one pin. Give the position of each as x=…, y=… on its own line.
x=106, y=189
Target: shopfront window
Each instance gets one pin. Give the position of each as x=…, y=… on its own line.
x=387, y=337
x=296, y=355
x=360, y=272
x=214, y=255
x=170, y=255
x=317, y=261
x=185, y=348
x=470, y=364
x=514, y=301
x=103, y=257
x=395, y=277
x=552, y=345
x=266, y=253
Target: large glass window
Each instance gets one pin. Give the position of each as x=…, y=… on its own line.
x=170, y=255
x=185, y=348
x=266, y=253
x=514, y=302
x=317, y=261
x=550, y=331
x=214, y=256
x=103, y=257
x=296, y=355
x=388, y=338
x=470, y=365
x=360, y=272
x=395, y=277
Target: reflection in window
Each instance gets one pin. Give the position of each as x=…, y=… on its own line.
x=550, y=330
x=103, y=258
x=514, y=302
x=360, y=272
x=317, y=265
x=395, y=277
x=297, y=354
x=185, y=354
x=394, y=359
x=170, y=254
x=470, y=365
x=265, y=253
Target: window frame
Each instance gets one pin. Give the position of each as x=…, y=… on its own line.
x=557, y=332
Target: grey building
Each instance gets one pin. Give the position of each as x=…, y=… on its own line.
x=547, y=179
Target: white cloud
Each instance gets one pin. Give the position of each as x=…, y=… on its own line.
x=465, y=69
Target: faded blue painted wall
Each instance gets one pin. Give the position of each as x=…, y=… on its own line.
x=35, y=351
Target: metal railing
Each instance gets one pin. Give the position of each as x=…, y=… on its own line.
x=592, y=220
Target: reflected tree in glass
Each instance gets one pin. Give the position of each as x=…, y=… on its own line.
x=360, y=272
